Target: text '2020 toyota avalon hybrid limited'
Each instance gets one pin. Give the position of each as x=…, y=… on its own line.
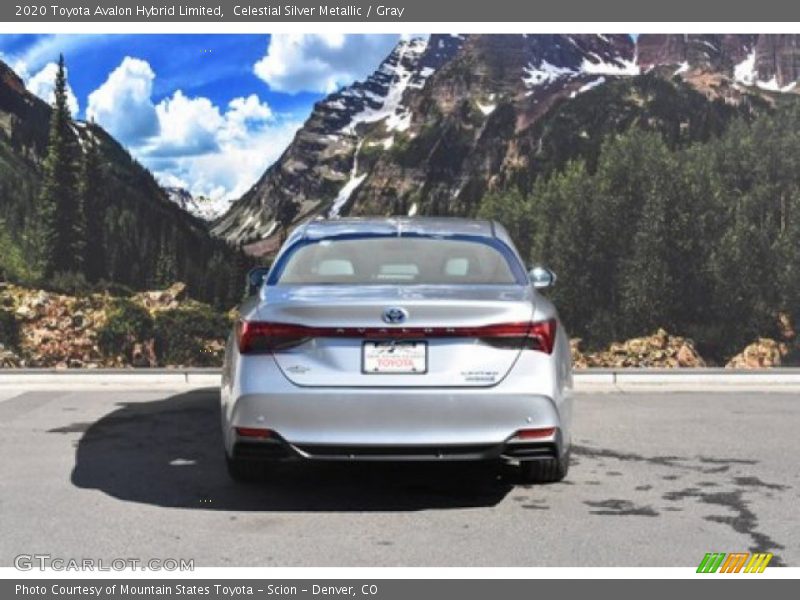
x=398, y=339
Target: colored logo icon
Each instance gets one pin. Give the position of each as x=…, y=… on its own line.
x=735, y=562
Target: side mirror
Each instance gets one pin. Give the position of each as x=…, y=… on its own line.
x=255, y=279
x=542, y=277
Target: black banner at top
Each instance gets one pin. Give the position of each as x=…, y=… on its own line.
x=443, y=11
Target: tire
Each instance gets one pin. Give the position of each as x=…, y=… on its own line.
x=544, y=471
x=245, y=471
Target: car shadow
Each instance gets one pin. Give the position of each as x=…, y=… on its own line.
x=169, y=453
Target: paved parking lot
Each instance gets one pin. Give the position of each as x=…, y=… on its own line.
x=656, y=480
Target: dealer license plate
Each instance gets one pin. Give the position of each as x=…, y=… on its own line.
x=395, y=357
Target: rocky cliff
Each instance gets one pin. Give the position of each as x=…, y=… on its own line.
x=444, y=120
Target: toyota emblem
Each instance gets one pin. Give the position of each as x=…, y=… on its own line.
x=395, y=315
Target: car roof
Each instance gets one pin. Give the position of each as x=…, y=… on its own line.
x=322, y=228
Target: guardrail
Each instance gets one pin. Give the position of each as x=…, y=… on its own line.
x=585, y=379
x=100, y=377
x=685, y=379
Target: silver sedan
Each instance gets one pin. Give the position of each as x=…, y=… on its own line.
x=421, y=339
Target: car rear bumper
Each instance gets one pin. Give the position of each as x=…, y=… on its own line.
x=277, y=448
x=392, y=424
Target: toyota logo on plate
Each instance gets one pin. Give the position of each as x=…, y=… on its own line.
x=395, y=315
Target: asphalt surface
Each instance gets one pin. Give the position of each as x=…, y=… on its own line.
x=656, y=480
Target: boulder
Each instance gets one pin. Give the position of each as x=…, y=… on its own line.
x=25, y=312
x=687, y=356
x=659, y=349
x=168, y=299
x=578, y=358
x=763, y=353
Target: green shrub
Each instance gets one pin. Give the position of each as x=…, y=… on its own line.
x=127, y=324
x=14, y=266
x=181, y=335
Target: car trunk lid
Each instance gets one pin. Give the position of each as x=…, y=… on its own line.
x=438, y=341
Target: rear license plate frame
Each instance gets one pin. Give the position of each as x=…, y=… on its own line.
x=421, y=369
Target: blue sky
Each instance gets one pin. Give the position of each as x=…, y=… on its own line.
x=209, y=112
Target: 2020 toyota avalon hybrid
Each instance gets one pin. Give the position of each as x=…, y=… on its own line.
x=398, y=339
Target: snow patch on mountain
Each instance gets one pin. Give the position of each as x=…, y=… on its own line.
x=619, y=66
x=401, y=73
x=585, y=88
x=772, y=85
x=546, y=73
x=204, y=208
x=745, y=73
x=349, y=187
x=682, y=68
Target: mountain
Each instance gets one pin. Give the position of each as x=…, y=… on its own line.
x=201, y=207
x=445, y=120
x=714, y=52
x=147, y=239
x=768, y=61
x=321, y=160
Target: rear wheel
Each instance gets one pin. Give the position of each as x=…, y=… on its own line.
x=544, y=471
x=244, y=470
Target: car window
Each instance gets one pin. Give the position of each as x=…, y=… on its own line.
x=408, y=260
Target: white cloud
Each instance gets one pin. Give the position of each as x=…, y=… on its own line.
x=122, y=104
x=43, y=84
x=232, y=169
x=241, y=143
x=186, y=126
x=298, y=62
x=190, y=142
x=242, y=114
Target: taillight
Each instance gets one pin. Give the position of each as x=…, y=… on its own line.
x=257, y=337
x=540, y=335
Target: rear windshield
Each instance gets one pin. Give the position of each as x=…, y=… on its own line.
x=393, y=260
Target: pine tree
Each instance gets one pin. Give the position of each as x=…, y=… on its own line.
x=166, y=267
x=651, y=277
x=92, y=195
x=61, y=211
x=513, y=210
x=565, y=242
